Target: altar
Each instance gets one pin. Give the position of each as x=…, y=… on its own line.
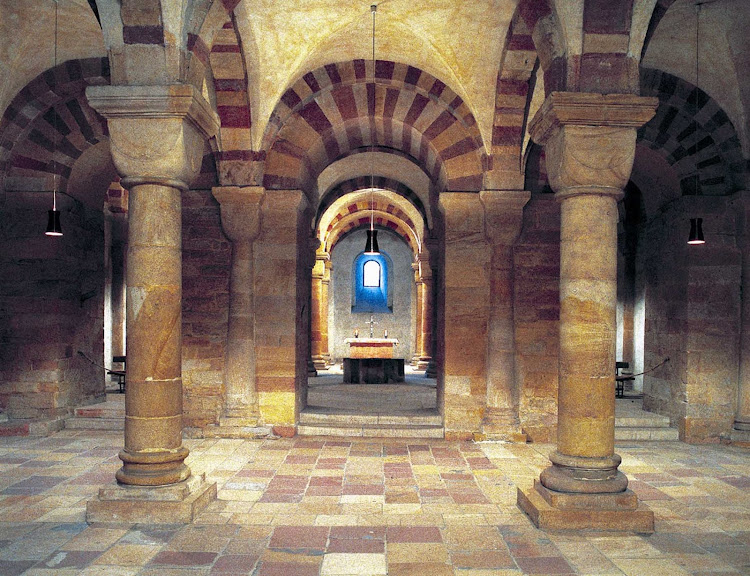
x=371, y=361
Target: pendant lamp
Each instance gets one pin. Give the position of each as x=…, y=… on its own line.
x=696, y=224
x=371, y=246
x=696, y=231
x=53, y=216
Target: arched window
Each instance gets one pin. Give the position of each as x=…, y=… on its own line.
x=370, y=279
x=371, y=274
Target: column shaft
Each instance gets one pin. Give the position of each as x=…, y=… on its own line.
x=418, y=319
x=316, y=316
x=425, y=343
x=325, y=351
x=588, y=299
x=153, y=453
x=742, y=418
x=241, y=396
x=503, y=221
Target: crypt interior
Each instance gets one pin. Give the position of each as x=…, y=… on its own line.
x=532, y=171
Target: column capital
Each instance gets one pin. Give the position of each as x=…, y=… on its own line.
x=503, y=214
x=240, y=210
x=157, y=133
x=589, y=140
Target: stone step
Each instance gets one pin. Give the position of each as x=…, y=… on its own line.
x=650, y=421
x=408, y=424
x=77, y=423
x=108, y=415
x=372, y=431
x=341, y=418
x=104, y=410
x=657, y=434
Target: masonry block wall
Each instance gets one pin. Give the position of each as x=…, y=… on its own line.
x=206, y=260
x=343, y=322
x=51, y=307
x=537, y=313
x=693, y=318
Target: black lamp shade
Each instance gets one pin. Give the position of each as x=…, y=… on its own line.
x=53, y=223
x=371, y=246
x=696, y=231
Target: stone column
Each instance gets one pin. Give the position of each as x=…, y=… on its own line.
x=240, y=219
x=425, y=340
x=318, y=312
x=589, y=143
x=279, y=300
x=503, y=219
x=467, y=307
x=742, y=418
x=157, y=135
x=326, y=286
x=418, y=319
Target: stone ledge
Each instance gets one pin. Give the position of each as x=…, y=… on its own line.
x=546, y=517
x=175, y=504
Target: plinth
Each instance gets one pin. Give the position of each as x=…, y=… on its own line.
x=552, y=510
x=171, y=504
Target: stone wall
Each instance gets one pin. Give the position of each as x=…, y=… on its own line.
x=693, y=318
x=51, y=307
x=206, y=260
x=537, y=311
x=341, y=320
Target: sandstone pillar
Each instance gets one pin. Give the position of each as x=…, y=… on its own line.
x=503, y=220
x=157, y=134
x=742, y=418
x=240, y=219
x=325, y=291
x=467, y=307
x=282, y=260
x=589, y=142
x=427, y=302
x=319, y=310
x=418, y=314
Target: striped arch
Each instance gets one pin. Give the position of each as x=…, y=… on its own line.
x=334, y=110
x=547, y=37
x=703, y=143
x=514, y=89
x=357, y=215
x=363, y=182
x=216, y=52
x=51, y=114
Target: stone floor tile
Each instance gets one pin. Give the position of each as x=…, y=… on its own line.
x=544, y=565
x=128, y=555
x=408, y=552
x=95, y=539
x=342, y=564
x=297, y=537
x=419, y=569
x=230, y=564
x=15, y=567
x=626, y=547
x=102, y=570
x=395, y=534
x=649, y=567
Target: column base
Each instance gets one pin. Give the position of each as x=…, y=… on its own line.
x=311, y=371
x=319, y=362
x=234, y=427
x=741, y=436
x=551, y=510
x=743, y=425
x=175, y=504
x=502, y=424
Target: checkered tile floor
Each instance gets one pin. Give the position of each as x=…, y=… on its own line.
x=345, y=507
